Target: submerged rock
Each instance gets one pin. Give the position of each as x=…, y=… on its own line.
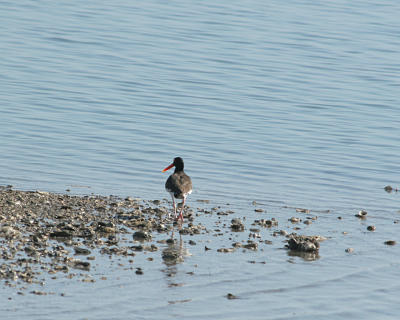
x=362, y=214
x=78, y=264
x=231, y=296
x=226, y=250
x=266, y=223
x=251, y=245
x=389, y=189
x=142, y=235
x=237, y=225
x=304, y=243
x=81, y=251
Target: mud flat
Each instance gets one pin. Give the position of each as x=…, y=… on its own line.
x=47, y=233
x=46, y=236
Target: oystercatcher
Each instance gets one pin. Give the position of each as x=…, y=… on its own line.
x=178, y=184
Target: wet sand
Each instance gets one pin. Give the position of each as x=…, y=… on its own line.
x=47, y=236
x=44, y=232
x=47, y=233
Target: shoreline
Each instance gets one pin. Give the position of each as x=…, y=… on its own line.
x=45, y=235
x=44, y=232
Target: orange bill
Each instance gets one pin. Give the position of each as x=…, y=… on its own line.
x=169, y=167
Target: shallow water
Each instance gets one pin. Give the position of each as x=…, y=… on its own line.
x=289, y=104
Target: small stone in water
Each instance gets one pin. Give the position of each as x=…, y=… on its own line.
x=139, y=271
x=231, y=296
x=388, y=189
x=362, y=214
x=226, y=250
x=237, y=225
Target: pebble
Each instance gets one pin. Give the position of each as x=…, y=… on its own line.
x=266, y=223
x=304, y=243
x=362, y=214
x=81, y=251
x=251, y=245
x=388, y=189
x=302, y=210
x=139, y=271
x=237, y=245
x=39, y=293
x=237, y=225
x=142, y=235
x=231, y=296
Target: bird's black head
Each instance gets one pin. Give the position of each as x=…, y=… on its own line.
x=178, y=164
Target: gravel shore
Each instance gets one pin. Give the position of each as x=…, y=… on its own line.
x=42, y=232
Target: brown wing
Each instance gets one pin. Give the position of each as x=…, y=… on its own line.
x=179, y=184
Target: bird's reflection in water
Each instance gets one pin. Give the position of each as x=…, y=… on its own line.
x=174, y=254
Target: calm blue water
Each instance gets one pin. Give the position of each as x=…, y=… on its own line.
x=291, y=103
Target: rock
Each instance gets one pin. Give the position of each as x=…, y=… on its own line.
x=139, y=271
x=237, y=245
x=266, y=223
x=362, y=214
x=226, y=250
x=81, y=251
x=294, y=220
x=302, y=210
x=106, y=227
x=304, y=243
x=191, y=229
x=39, y=293
x=9, y=232
x=142, y=236
x=251, y=246
x=137, y=248
x=390, y=242
x=61, y=234
x=78, y=264
x=237, y=225
x=388, y=189
x=30, y=250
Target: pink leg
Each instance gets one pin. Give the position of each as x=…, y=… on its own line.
x=174, y=206
x=181, y=213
